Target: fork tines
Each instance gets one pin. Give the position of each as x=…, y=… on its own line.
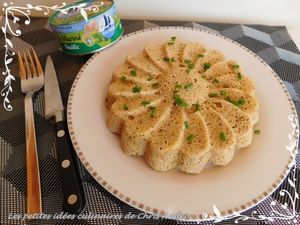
x=35, y=68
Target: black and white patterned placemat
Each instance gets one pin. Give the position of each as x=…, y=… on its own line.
x=272, y=44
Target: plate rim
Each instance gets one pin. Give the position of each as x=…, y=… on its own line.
x=148, y=209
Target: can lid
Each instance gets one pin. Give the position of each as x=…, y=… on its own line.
x=79, y=11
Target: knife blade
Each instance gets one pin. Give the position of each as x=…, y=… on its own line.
x=74, y=199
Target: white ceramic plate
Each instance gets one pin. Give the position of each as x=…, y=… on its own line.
x=252, y=175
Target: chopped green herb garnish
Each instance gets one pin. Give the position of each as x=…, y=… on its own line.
x=191, y=65
x=152, y=111
x=188, y=86
x=222, y=92
x=155, y=85
x=186, y=124
x=235, y=66
x=211, y=95
x=180, y=101
x=239, y=76
x=257, y=132
x=125, y=107
x=207, y=66
x=150, y=78
x=124, y=79
x=171, y=42
x=216, y=81
x=144, y=103
x=136, y=89
x=133, y=72
x=197, y=106
x=239, y=102
x=166, y=59
x=229, y=99
x=204, y=77
x=222, y=136
x=190, y=137
x=200, y=55
x=178, y=86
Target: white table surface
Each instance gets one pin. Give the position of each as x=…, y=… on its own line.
x=265, y=12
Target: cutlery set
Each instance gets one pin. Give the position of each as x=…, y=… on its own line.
x=34, y=79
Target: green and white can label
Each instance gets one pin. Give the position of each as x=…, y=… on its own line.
x=77, y=35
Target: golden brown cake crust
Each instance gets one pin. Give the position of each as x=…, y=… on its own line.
x=181, y=105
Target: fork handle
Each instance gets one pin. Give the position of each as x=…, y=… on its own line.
x=34, y=200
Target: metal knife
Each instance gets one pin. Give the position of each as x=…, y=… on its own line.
x=74, y=200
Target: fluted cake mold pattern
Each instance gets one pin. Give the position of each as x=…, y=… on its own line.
x=181, y=105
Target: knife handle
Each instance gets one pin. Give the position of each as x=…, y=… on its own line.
x=74, y=200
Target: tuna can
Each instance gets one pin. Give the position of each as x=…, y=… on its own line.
x=87, y=26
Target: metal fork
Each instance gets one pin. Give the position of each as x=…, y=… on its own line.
x=32, y=80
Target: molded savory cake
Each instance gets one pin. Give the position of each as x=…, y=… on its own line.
x=180, y=105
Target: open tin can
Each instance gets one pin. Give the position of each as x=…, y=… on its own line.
x=87, y=26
